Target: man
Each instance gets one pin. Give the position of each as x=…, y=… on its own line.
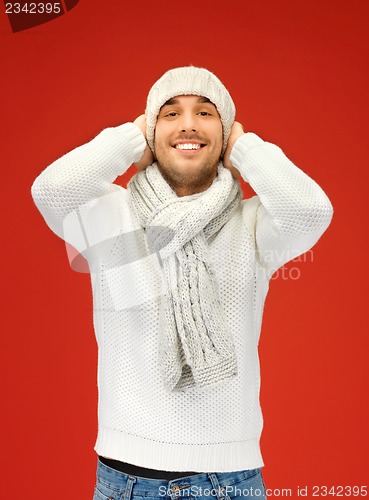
x=180, y=268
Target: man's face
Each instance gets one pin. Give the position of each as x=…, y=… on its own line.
x=188, y=143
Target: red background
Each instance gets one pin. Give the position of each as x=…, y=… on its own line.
x=298, y=72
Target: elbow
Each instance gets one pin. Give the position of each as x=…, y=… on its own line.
x=325, y=210
x=37, y=190
x=48, y=193
x=42, y=190
x=319, y=215
x=330, y=211
x=309, y=217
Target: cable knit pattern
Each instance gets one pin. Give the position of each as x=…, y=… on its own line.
x=196, y=347
x=140, y=421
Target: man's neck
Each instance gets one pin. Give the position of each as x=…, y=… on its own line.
x=187, y=191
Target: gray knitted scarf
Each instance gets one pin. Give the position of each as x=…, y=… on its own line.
x=195, y=343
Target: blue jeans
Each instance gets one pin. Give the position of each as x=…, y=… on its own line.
x=113, y=485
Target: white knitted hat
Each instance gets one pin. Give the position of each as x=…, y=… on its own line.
x=189, y=80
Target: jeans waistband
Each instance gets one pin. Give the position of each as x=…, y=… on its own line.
x=161, y=487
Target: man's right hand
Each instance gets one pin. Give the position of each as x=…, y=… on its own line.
x=147, y=157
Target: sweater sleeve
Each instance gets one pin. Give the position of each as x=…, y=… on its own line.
x=293, y=210
x=80, y=183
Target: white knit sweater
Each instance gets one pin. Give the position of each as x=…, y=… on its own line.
x=140, y=422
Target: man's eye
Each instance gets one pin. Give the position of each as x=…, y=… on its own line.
x=172, y=113
x=204, y=113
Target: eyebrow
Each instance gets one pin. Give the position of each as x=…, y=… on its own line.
x=200, y=100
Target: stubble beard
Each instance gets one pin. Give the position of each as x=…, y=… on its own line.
x=188, y=179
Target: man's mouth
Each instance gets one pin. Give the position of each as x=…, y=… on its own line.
x=188, y=146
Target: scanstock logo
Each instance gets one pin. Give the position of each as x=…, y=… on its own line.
x=24, y=15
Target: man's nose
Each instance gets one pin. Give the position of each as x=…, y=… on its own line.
x=188, y=122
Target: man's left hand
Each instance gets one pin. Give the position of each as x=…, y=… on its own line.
x=236, y=132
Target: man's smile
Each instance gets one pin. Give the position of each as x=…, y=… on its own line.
x=188, y=147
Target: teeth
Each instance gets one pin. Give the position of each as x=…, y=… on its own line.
x=188, y=146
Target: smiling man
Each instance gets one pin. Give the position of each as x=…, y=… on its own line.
x=180, y=267
x=188, y=143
